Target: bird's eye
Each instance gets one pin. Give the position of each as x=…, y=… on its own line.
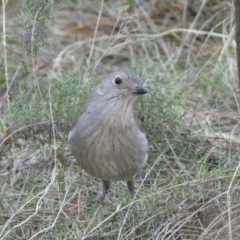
x=117, y=81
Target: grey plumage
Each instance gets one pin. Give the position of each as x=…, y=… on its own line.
x=106, y=141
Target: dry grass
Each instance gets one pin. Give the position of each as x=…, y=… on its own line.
x=185, y=53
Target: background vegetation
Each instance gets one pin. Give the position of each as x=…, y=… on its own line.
x=53, y=52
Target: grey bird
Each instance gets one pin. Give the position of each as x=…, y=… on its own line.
x=107, y=141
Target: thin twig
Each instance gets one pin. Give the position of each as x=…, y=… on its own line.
x=4, y=4
x=94, y=38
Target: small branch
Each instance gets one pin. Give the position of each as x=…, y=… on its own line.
x=94, y=37
x=4, y=4
x=237, y=19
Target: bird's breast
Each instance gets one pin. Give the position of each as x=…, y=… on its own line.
x=109, y=152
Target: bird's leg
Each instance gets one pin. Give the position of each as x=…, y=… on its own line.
x=106, y=186
x=131, y=186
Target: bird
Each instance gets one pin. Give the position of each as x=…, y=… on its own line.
x=107, y=141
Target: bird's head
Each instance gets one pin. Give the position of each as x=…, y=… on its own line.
x=121, y=84
x=116, y=94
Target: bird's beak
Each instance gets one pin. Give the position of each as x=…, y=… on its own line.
x=140, y=90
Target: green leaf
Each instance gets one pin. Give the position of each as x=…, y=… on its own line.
x=212, y=84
